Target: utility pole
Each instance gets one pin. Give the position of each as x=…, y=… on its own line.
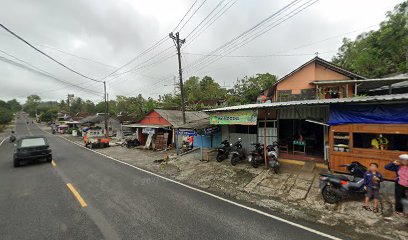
x=178, y=42
x=69, y=96
x=106, y=110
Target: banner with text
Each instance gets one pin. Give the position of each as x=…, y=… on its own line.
x=241, y=117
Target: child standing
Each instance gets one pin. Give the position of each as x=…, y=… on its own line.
x=372, y=179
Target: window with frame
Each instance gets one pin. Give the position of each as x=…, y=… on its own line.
x=284, y=95
x=341, y=142
x=396, y=142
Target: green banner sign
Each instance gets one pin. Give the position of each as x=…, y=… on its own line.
x=242, y=117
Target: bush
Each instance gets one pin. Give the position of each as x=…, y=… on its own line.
x=5, y=116
x=48, y=116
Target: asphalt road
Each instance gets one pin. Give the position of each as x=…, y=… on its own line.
x=121, y=202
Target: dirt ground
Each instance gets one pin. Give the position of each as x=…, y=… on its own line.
x=294, y=191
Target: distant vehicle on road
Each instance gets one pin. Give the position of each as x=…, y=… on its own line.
x=32, y=148
x=96, y=138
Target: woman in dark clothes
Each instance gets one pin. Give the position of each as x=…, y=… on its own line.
x=400, y=167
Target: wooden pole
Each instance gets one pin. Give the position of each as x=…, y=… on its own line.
x=265, y=158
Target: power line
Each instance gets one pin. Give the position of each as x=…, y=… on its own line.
x=43, y=73
x=192, y=15
x=252, y=56
x=185, y=15
x=66, y=52
x=232, y=42
x=217, y=15
x=205, y=18
x=48, y=56
x=235, y=45
x=247, y=31
x=158, y=43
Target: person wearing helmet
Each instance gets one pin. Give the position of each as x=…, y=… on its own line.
x=380, y=142
x=400, y=167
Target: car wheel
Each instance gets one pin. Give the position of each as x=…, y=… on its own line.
x=16, y=163
x=330, y=195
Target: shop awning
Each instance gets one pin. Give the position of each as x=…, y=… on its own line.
x=379, y=113
x=139, y=125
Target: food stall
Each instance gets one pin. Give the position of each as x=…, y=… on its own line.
x=354, y=128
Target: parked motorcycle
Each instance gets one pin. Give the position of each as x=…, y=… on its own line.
x=272, y=157
x=336, y=187
x=238, y=153
x=130, y=143
x=223, y=151
x=256, y=156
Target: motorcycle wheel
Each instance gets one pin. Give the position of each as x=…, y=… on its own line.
x=123, y=144
x=329, y=195
x=234, y=160
x=254, y=163
x=219, y=158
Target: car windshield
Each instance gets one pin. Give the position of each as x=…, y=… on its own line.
x=32, y=142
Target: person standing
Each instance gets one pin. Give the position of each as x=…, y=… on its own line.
x=372, y=179
x=400, y=167
x=380, y=142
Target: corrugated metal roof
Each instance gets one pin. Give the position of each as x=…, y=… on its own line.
x=403, y=84
x=139, y=125
x=365, y=84
x=199, y=124
x=175, y=117
x=379, y=98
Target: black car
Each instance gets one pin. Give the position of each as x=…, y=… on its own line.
x=31, y=148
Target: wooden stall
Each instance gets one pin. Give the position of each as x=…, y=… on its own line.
x=352, y=142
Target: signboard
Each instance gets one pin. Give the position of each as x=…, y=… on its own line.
x=148, y=130
x=186, y=132
x=241, y=117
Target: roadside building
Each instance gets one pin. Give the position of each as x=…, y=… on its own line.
x=158, y=128
x=98, y=121
x=80, y=115
x=296, y=111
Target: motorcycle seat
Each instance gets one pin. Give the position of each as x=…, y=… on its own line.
x=339, y=176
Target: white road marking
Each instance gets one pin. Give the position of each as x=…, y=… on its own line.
x=1, y=143
x=210, y=194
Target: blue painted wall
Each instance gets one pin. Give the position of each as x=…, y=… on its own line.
x=216, y=140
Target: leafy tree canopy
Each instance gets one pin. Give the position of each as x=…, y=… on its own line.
x=378, y=53
x=246, y=90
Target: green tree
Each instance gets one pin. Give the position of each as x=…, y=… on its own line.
x=31, y=104
x=378, y=53
x=76, y=105
x=89, y=106
x=199, y=94
x=14, y=105
x=49, y=115
x=5, y=116
x=246, y=90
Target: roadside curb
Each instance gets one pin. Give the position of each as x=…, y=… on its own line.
x=301, y=163
x=270, y=215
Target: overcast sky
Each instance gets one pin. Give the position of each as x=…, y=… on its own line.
x=95, y=37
